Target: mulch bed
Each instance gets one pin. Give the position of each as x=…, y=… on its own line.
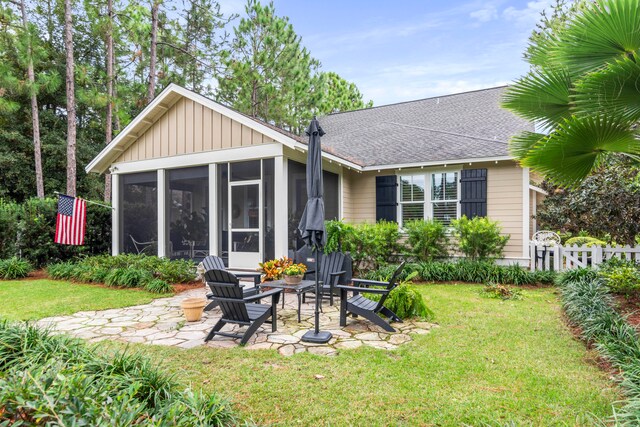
x=630, y=307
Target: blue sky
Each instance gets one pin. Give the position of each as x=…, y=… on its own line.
x=410, y=49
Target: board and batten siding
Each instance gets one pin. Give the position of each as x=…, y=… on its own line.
x=504, y=199
x=189, y=127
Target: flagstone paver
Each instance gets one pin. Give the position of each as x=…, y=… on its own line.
x=161, y=322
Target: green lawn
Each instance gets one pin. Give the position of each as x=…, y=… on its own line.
x=490, y=362
x=35, y=299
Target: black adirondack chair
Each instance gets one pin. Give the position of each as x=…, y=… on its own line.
x=237, y=309
x=213, y=262
x=330, y=273
x=369, y=309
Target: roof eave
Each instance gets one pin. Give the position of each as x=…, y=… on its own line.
x=435, y=163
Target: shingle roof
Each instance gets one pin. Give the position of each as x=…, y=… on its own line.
x=462, y=126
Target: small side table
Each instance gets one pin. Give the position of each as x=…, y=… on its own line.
x=300, y=289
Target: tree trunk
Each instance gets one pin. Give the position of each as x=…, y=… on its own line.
x=35, y=115
x=109, y=115
x=153, y=50
x=71, y=100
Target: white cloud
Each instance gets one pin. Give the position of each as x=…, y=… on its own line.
x=528, y=15
x=485, y=15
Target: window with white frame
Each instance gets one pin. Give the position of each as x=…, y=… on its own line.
x=412, y=200
x=431, y=195
x=444, y=196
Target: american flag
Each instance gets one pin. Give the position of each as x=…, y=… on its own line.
x=71, y=220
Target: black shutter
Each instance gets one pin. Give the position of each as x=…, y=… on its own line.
x=473, y=200
x=386, y=198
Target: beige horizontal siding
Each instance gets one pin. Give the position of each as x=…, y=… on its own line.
x=505, y=202
x=361, y=205
x=189, y=127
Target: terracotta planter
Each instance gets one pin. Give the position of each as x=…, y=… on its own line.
x=293, y=280
x=193, y=308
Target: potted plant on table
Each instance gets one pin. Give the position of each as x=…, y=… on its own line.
x=293, y=274
x=273, y=269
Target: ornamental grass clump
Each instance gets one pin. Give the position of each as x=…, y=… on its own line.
x=125, y=271
x=50, y=379
x=14, y=268
x=405, y=300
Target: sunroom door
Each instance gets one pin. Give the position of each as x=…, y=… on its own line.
x=245, y=220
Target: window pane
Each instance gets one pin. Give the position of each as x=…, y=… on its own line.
x=245, y=202
x=244, y=171
x=412, y=188
x=412, y=211
x=139, y=213
x=188, y=212
x=245, y=241
x=331, y=196
x=437, y=190
x=451, y=186
x=418, y=188
x=297, y=197
x=445, y=211
x=268, y=206
x=223, y=212
x=405, y=194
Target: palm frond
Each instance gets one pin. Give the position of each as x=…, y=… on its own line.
x=541, y=95
x=575, y=147
x=604, y=31
x=614, y=89
x=521, y=144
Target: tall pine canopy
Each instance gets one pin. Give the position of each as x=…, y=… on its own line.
x=256, y=64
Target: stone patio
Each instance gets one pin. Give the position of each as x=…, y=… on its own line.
x=161, y=322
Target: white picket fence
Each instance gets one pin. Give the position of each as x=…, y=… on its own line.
x=560, y=258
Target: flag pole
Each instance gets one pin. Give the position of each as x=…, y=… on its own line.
x=88, y=201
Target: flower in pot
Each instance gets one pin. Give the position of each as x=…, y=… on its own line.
x=293, y=273
x=273, y=269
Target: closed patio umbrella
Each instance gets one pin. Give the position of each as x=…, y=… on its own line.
x=311, y=225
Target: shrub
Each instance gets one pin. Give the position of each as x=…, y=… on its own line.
x=503, y=292
x=372, y=245
x=585, y=240
x=622, y=276
x=158, y=286
x=57, y=380
x=14, y=268
x=479, y=238
x=426, y=240
x=337, y=233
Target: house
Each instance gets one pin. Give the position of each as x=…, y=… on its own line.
x=192, y=177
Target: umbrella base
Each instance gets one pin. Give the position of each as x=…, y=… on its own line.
x=319, y=338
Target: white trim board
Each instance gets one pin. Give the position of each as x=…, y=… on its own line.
x=200, y=159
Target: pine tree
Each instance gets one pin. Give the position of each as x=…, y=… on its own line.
x=71, y=99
